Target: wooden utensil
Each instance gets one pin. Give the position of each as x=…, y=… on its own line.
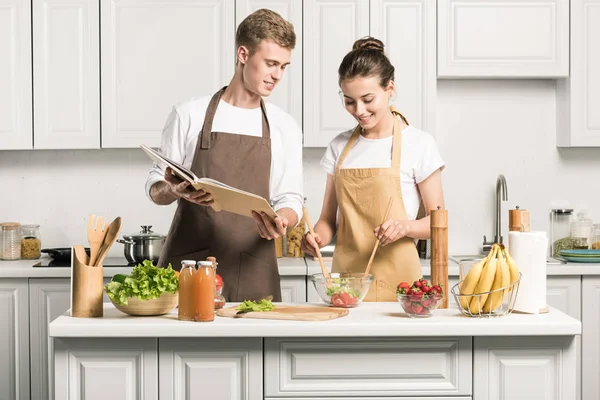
x=439, y=252
x=95, y=233
x=288, y=312
x=310, y=230
x=385, y=218
x=109, y=238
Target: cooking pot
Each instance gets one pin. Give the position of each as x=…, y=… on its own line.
x=145, y=245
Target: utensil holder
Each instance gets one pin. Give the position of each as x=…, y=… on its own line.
x=86, y=289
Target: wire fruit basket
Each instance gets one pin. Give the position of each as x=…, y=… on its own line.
x=501, y=301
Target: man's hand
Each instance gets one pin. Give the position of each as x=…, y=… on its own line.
x=270, y=228
x=183, y=190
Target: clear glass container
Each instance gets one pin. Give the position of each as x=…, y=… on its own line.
x=596, y=237
x=31, y=242
x=560, y=228
x=581, y=231
x=11, y=240
x=187, y=295
x=205, y=291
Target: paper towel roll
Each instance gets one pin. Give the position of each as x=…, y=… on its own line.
x=528, y=249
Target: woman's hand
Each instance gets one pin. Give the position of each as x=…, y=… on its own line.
x=391, y=230
x=310, y=244
x=183, y=190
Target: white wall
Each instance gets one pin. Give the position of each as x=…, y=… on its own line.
x=484, y=128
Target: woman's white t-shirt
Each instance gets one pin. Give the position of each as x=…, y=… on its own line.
x=419, y=159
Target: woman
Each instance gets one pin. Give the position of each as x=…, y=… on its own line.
x=382, y=158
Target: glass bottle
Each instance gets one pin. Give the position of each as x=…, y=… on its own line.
x=581, y=231
x=560, y=227
x=187, y=298
x=596, y=237
x=11, y=240
x=31, y=242
x=219, y=298
x=205, y=292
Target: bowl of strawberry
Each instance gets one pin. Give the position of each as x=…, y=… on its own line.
x=419, y=299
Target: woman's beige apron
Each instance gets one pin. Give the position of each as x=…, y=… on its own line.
x=363, y=195
x=246, y=262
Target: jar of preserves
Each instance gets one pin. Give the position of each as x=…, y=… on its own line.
x=205, y=291
x=581, y=231
x=187, y=293
x=11, y=240
x=31, y=242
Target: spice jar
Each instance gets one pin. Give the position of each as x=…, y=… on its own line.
x=11, y=240
x=31, y=243
x=581, y=231
x=596, y=237
x=205, y=292
x=560, y=227
x=187, y=293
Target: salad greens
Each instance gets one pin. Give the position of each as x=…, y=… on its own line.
x=146, y=282
x=345, y=289
x=249, y=305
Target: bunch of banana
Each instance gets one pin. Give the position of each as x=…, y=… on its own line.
x=497, y=270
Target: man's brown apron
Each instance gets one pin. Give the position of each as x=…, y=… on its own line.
x=363, y=195
x=246, y=262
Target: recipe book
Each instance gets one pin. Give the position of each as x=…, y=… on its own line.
x=225, y=197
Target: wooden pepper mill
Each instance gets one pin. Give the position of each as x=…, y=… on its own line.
x=518, y=220
x=439, y=252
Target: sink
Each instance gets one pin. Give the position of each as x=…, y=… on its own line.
x=457, y=258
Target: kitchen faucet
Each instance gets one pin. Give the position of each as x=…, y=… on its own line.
x=501, y=195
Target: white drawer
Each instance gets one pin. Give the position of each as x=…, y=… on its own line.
x=368, y=367
x=373, y=398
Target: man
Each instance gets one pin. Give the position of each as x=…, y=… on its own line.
x=234, y=137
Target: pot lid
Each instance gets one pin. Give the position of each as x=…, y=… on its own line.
x=145, y=233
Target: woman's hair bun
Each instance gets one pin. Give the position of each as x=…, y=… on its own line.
x=368, y=43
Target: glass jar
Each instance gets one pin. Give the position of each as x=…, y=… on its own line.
x=31, y=242
x=581, y=231
x=596, y=237
x=205, y=292
x=219, y=298
x=11, y=240
x=187, y=294
x=560, y=228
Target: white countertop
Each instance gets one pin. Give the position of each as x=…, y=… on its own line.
x=367, y=320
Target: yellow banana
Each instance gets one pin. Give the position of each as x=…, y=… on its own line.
x=501, y=280
x=512, y=266
x=469, y=284
x=485, y=284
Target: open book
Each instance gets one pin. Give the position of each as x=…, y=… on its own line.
x=225, y=197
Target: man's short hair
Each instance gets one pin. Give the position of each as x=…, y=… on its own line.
x=262, y=25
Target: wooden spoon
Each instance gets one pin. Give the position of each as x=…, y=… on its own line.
x=310, y=229
x=111, y=235
x=95, y=233
x=387, y=213
x=81, y=255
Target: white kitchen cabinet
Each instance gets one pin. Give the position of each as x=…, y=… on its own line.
x=293, y=289
x=503, y=38
x=15, y=75
x=407, y=29
x=157, y=54
x=590, y=338
x=524, y=368
x=578, y=97
x=330, y=29
x=288, y=93
x=66, y=74
x=564, y=294
x=100, y=369
x=202, y=368
x=14, y=339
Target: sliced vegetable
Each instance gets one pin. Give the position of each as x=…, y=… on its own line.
x=249, y=305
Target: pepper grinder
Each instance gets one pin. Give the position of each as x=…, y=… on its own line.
x=439, y=252
x=518, y=220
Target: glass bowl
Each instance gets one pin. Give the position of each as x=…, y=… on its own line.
x=342, y=289
x=419, y=306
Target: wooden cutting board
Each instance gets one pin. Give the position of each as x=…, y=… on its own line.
x=288, y=312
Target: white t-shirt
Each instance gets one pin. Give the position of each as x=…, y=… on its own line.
x=180, y=135
x=419, y=159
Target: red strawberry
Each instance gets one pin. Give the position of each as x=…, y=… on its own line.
x=408, y=308
x=424, y=282
x=410, y=291
x=437, y=289
x=403, y=285
x=417, y=284
x=424, y=311
x=417, y=308
x=427, y=289
x=417, y=295
x=406, y=302
x=427, y=302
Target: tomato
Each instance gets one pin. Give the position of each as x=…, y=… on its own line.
x=219, y=281
x=336, y=300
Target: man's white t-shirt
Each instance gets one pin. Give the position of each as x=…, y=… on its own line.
x=180, y=135
x=419, y=159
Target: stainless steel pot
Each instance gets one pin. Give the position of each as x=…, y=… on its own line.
x=145, y=245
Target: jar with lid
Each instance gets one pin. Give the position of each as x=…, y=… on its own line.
x=560, y=228
x=187, y=293
x=581, y=231
x=205, y=292
x=596, y=237
x=31, y=242
x=11, y=240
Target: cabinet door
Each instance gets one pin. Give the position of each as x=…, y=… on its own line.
x=101, y=369
x=503, y=38
x=49, y=298
x=14, y=339
x=155, y=55
x=590, y=338
x=564, y=294
x=293, y=289
x=578, y=98
x=15, y=75
x=66, y=73
x=330, y=29
x=211, y=369
x=288, y=94
x=407, y=28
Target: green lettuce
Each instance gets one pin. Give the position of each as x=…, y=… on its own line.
x=146, y=282
x=249, y=305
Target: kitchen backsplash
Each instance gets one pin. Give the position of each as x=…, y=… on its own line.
x=484, y=128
